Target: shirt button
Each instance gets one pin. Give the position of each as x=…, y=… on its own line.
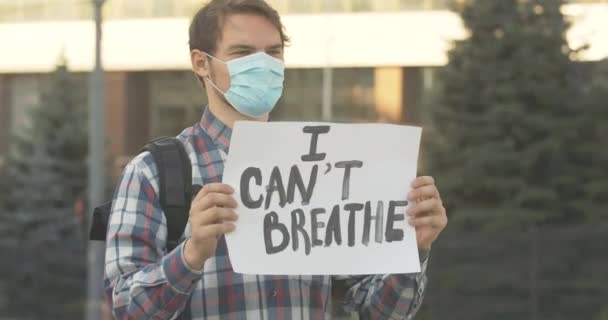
x=274, y=293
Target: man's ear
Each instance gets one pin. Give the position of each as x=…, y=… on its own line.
x=200, y=63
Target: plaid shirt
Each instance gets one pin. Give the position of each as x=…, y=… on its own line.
x=144, y=281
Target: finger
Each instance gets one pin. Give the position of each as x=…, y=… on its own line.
x=214, y=188
x=425, y=208
x=215, y=230
x=435, y=221
x=214, y=215
x=422, y=181
x=424, y=192
x=211, y=200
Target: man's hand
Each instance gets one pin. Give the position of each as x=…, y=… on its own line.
x=427, y=214
x=211, y=215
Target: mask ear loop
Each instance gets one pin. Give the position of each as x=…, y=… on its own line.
x=212, y=57
x=214, y=86
x=208, y=78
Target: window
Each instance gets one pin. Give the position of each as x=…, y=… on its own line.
x=353, y=90
x=352, y=95
x=176, y=102
x=302, y=96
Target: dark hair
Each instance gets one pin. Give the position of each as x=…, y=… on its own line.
x=206, y=27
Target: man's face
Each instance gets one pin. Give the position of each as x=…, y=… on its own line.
x=242, y=35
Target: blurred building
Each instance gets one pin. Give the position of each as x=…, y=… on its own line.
x=350, y=60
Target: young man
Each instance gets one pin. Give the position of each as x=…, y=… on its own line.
x=237, y=53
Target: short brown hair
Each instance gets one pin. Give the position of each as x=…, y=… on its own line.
x=205, y=29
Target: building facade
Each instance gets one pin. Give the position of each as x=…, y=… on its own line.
x=349, y=60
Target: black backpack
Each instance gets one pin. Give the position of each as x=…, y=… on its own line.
x=175, y=191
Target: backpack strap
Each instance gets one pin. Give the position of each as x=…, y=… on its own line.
x=175, y=184
x=99, y=223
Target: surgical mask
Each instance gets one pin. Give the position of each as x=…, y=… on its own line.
x=256, y=83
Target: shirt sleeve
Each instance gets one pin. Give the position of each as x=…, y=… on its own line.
x=390, y=296
x=142, y=279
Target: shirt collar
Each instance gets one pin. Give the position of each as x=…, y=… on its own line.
x=219, y=132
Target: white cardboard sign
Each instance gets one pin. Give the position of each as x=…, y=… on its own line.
x=322, y=198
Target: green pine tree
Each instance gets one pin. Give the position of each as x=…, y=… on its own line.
x=5, y=242
x=502, y=117
x=593, y=151
x=514, y=143
x=47, y=175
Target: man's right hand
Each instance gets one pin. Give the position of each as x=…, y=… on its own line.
x=211, y=215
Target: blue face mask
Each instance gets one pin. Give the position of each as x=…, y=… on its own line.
x=256, y=83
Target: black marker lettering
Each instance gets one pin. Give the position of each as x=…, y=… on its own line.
x=275, y=184
x=312, y=154
x=315, y=225
x=297, y=225
x=333, y=227
x=249, y=173
x=295, y=179
x=271, y=223
x=367, y=219
x=352, y=208
x=346, y=180
x=392, y=234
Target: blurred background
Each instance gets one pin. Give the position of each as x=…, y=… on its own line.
x=512, y=96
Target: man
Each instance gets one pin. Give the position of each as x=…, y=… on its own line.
x=236, y=49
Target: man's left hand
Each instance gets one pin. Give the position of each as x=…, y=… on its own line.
x=427, y=213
